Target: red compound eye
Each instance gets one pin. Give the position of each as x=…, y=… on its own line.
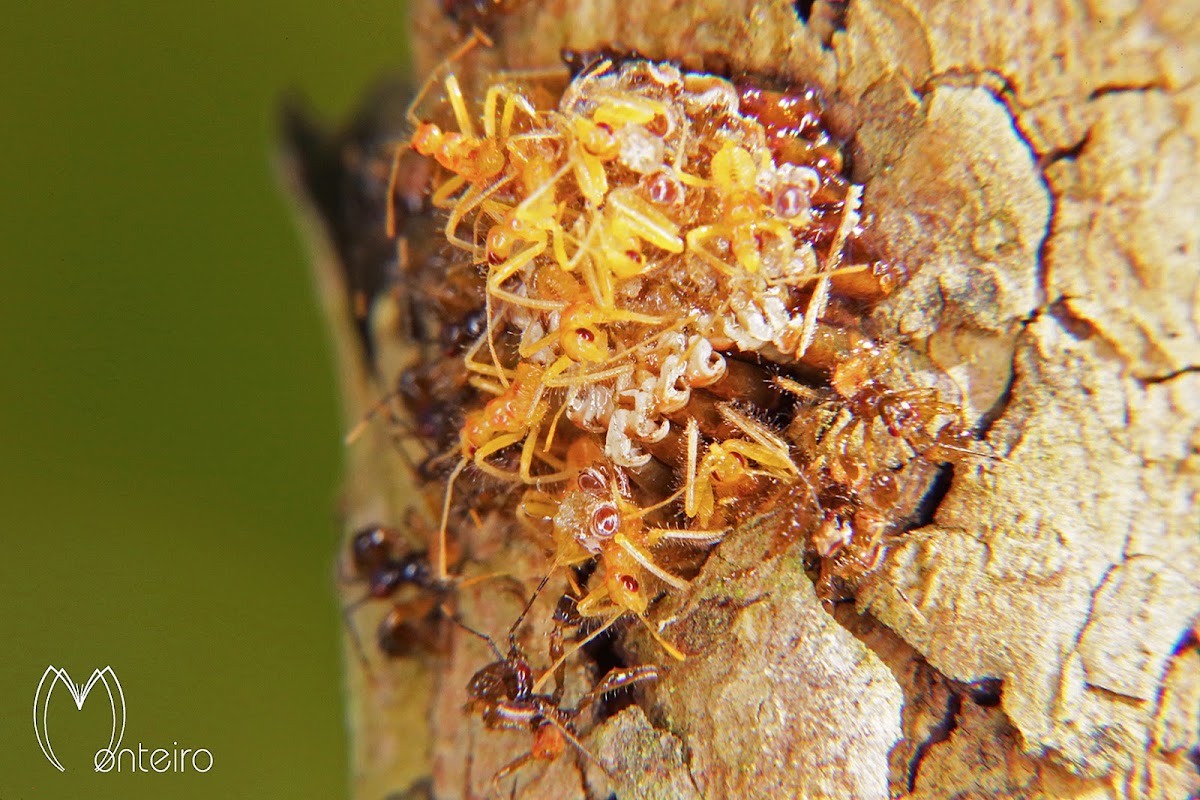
x=499, y=245
x=629, y=582
x=585, y=335
x=606, y=520
x=591, y=481
x=791, y=203
x=663, y=190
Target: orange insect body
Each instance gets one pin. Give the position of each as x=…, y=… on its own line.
x=595, y=518
x=508, y=413
x=475, y=159
x=672, y=333
x=597, y=214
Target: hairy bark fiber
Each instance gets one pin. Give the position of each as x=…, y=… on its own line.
x=1034, y=166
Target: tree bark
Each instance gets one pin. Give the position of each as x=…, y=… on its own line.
x=1034, y=166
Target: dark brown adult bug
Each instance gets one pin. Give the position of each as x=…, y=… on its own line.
x=503, y=694
x=381, y=558
x=345, y=176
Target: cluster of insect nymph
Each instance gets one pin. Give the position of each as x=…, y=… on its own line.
x=646, y=321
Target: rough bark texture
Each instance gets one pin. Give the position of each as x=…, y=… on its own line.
x=1034, y=165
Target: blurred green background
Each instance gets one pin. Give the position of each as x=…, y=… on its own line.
x=169, y=436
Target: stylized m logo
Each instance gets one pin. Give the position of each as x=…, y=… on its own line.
x=79, y=693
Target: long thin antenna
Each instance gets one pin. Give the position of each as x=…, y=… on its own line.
x=512, y=631
x=352, y=630
x=480, y=634
x=442, y=571
x=375, y=410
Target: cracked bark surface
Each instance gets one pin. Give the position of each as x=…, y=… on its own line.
x=1034, y=166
